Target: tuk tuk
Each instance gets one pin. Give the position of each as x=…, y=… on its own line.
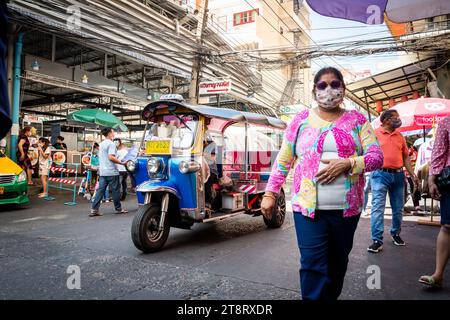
x=187, y=171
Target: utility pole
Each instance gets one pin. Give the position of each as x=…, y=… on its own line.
x=196, y=67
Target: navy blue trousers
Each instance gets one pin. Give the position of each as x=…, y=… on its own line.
x=325, y=243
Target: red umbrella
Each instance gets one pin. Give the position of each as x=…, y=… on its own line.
x=420, y=113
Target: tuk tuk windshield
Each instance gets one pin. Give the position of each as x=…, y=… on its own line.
x=181, y=129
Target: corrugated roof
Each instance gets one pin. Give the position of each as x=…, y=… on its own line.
x=392, y=84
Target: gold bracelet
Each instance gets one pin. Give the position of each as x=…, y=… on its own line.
x=352, y=163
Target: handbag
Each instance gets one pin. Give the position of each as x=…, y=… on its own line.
x=443, y=180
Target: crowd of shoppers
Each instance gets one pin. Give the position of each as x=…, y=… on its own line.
x=107, y=159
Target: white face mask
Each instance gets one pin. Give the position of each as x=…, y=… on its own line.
x=330, y=98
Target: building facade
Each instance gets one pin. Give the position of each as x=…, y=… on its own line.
x=265, y=28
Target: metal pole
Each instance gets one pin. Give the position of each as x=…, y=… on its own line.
x=105, y=66
x=143, y=136
x=246, y=151
x=196, y=67
x=53, y=48
x=10, y=70
x=367, y=106
x=16, y=95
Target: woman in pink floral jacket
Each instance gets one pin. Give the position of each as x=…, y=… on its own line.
x=330, y=148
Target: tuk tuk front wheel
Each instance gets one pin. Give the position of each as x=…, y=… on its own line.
x=145, y=231
x=279, y=213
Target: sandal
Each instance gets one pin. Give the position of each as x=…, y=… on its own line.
x=430, y=281
x=31, y=183
x=42, y=195
x=122, y=211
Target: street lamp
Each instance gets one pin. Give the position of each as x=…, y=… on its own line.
x=35, y=65
x=84, y=78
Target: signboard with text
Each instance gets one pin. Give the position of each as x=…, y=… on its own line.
x=292, y=109
x=214, y=87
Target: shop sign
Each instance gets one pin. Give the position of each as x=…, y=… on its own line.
x=215, y=87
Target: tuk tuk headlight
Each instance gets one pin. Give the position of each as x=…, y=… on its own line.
x=130, y=165
x=154, y=165
x=22, y=177
x=189, y=166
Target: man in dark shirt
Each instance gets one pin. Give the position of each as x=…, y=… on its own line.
x=60, y=145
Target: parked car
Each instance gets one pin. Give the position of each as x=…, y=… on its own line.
x=13, y=182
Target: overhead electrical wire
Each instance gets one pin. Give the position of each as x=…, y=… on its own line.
x=307, y=34
x=274, y=77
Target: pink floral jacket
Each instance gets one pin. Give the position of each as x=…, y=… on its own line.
x=306, y=133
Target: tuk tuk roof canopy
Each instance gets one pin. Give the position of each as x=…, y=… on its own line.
x=230, y=115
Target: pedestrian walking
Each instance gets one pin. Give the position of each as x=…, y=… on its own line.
x=122, y=152
x=45, y=162
x=413, y=189
x=389, y=179
x=109, y=175
x=440, y=166
x=23, y=160
x=333, y=148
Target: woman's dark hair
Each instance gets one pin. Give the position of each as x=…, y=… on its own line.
x=45, y=141
x=96, y=145
x=387, y=114
x=60, y=138
x=25, y=130
x=327, y=70
x=106, y=131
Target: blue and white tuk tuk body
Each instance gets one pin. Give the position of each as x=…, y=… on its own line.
x=180, y=182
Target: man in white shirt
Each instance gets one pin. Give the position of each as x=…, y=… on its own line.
x=109, y=175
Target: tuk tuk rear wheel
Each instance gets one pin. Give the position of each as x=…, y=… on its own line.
x=279, y=213
x=144, y=231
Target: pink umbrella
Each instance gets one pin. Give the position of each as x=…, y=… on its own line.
x=420, y=113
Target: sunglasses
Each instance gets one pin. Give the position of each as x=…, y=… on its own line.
x=334, y=84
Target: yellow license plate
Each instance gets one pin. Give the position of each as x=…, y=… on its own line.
x=2, y=190
x=158, y=147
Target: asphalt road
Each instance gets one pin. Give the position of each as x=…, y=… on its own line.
x=233, y=259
